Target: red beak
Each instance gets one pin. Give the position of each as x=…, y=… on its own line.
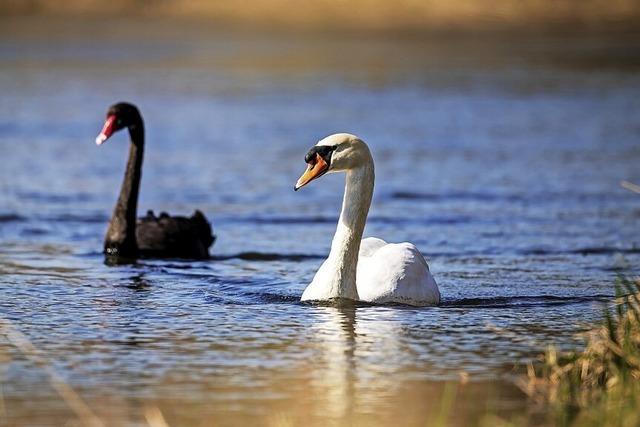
x=107, y=129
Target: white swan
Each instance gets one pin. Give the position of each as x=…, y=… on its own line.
x=369, y=270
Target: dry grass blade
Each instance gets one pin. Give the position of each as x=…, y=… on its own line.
x=598, y=386
x=68, y=394
x=154, y=417
x=630, y=186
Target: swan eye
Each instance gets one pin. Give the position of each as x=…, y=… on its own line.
x=310, y=157
x=324, y=151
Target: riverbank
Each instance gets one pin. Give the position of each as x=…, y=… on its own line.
x=361, y=15
x=597, y=386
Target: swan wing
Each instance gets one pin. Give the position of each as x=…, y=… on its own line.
x=395, y=273
x=174, y=236
x=370, y=245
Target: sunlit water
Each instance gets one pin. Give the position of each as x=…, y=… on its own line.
x=500, y=161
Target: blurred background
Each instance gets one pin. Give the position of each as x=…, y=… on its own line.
x=380, y=15
x=500, y=131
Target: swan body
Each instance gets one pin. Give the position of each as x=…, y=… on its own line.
x=369, y=270
x=150, y=236
x=167, y=236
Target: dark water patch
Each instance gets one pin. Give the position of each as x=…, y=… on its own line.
x=8, y=128
x=271, y=298
x=595, y=250
x=283, y=220
x=135, y=283
x=470, y=196
x=185, y=265
x=215, y=299
x=510, y=197
x=605, y=250
x=34, y=231
x=78, y=218
x=90, y=254
x=12, y=218
x=266, y=256
x=621, y=266
x=523, y=301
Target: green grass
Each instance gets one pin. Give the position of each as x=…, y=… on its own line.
x=601, y=385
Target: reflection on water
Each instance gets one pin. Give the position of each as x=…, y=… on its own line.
x=335, y=335
x=361, y=364
x=499, y=159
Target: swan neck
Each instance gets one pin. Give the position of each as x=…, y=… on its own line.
x=353, y=217
x=121, y=235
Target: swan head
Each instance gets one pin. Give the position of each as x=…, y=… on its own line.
x=119, y=116
x=339, y=152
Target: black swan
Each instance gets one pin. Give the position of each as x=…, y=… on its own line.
x=152, y=236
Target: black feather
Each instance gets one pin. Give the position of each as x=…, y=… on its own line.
x=150, y=236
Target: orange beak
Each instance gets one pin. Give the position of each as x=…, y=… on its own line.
x=315, y=170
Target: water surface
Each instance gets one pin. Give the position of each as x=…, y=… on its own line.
x=500, y=159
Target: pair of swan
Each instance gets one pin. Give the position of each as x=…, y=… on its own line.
x=368, y=270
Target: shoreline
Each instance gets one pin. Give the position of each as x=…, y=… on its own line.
x=404, y=18
x=184, y=27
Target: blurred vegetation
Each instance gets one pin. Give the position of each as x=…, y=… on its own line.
x=385, y=15
x=601, y=385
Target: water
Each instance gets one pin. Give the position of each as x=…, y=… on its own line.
x=500, y=159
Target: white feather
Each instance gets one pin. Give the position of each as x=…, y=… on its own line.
x=369, y=270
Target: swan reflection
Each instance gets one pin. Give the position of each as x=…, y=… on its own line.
x=358, y=355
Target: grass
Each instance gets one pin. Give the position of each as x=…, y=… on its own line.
x=601, y=385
